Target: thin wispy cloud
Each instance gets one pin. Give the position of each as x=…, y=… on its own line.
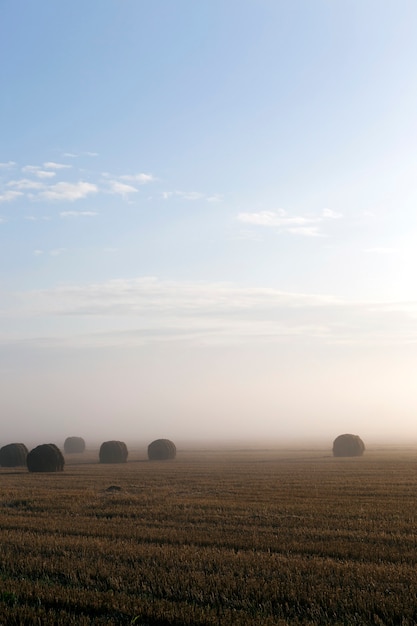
x=305, y=231
x=121, y=189
x=115, y=184
x=45, y=174
x=141, y=178
x=9, y=196
x=304, y=225
x=183, y=195
x=221, y=312
x=78, y=214
x=26, y=183
x=56, y=166
x=7, y=165
x=75, y=155
x=54, y=252
x=36, y=170
x=69, y=191
x=275, y=218
x=216, y=197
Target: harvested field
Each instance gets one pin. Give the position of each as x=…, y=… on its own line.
x=236, y=537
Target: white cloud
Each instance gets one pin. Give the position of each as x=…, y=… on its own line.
x=262, y=218
x=26, y=183
x=75, y=155
x=36, y=170
x=69, y=191
x=78, y=213
x=141, y=178
x=121, y=188
x=306, y=231
x=184, y=195
x=45, y=174
x=7, y=165
x=9, y=196
x=56, y=166
x=38, y=252
x=308, y=226
x=275, y=218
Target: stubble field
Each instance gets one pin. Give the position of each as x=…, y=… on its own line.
x=253, y=538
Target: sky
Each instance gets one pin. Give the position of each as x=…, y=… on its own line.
x=208, y=220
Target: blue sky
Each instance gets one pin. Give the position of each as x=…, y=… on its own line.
x=208, y=219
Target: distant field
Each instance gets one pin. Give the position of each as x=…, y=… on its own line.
x=233, y=537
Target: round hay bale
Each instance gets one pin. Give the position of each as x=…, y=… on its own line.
x=13, y=455
x=161, y=450
x=74, y=445
x=113, y=452
x=348, y=445
x=45, y=458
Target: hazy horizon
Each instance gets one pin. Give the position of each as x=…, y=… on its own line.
x=208, y=220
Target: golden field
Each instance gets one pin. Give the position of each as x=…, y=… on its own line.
x=261, y=537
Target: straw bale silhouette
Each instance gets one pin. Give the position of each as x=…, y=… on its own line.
x=113, y=452
x=13, y=455
x=74, y=445
x=348, y=445
x=161, y=450
x=45, y=458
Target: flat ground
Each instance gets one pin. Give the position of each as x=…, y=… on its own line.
x=232, y=537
